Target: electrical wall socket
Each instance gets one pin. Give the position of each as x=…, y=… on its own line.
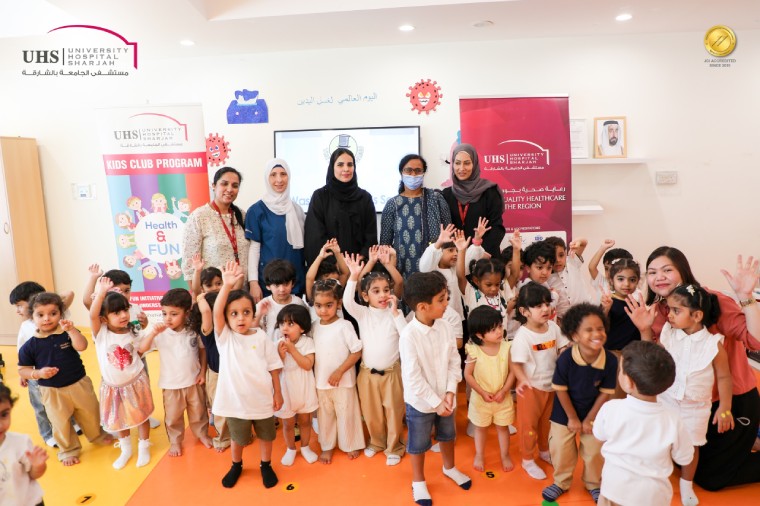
x=666, y=177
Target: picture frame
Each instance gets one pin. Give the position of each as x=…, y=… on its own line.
x=610, y=137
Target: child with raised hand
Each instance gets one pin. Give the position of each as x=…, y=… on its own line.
x=379, y=382
x=183, y=370
x=430, y=368
x=486, y=278
x=641, y=437
x=337, y=350
x=606, y=254
x=441, y=256
x=125, y=397
x=22, y=462
x=386, y=257
x=584, y=380
x=700, y=360
x=329, y=264
x=204, y=280
x=201, y=321
x=533, y=356
x=52, y=358
x=299, y=391
x=570, y=279
x=487, y=372
x=279, y=278
x=248, y=392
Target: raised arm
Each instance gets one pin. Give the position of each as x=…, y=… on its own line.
x=101, y=289
x=207, y=317
x=94, y=273
x=387, y=257
x=461, y=243
x=355, y=267
x=743, y=282
x=514, y=275
x=593, y=264
x=231, y=274
x=198, y=264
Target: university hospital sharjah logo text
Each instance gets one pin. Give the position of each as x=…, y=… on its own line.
x=112, y=55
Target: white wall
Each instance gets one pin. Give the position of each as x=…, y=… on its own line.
x=682, y=115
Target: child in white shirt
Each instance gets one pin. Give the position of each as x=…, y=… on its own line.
x=431, y=371
x=379, y=382
x=337, y=350
x=248, y=392
x=183, y=370
x=641, y=436
x=279, y=277
x=441, y=256
x=533, y=357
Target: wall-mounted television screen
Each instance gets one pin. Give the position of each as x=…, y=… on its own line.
x=377, y=151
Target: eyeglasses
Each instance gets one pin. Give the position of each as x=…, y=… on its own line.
x=408, y=171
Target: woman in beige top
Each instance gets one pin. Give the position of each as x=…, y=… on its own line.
x=215, y=230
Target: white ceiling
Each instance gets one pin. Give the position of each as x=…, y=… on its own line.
x=245, y=26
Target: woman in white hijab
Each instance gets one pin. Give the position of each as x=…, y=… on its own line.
x=274, y=225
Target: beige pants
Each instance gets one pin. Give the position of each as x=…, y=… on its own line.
x=339, y=419
x=382, y=403
x=222, y=439
x=176, y=401
x=533, y=411
x=77, y=400
x=564, y=450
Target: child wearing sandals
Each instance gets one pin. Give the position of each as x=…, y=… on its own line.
x=299, y=391
x=584, y=380
x=248, y=392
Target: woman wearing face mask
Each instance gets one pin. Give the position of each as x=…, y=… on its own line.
x=413, y=218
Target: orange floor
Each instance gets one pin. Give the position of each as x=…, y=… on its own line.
x=194, y=478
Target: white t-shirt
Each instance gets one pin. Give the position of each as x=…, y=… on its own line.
x=641, y=441
x=379, y=330
x=269, y=321
x=117, y=356
x=179, y=359
x=333, y=344
x=429, y=263
x=25, y=332
x=538, y=353
x=429, y=364
x=16, y=488
x=244, y=387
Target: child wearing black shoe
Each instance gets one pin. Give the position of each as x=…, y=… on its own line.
x=248, y=389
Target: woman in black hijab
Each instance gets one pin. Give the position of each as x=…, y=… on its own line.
x=340, y=210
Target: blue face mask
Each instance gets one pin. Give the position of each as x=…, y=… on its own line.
x=412, y=182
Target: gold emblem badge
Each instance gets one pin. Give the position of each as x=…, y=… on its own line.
x=720, y=41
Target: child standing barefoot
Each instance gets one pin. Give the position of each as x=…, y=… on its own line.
x=487, y=372
x=430, y=371
x=337, y=350
x=299, y=391
x=248, y=392
x=52, y=357
x=22, y=463
x=125, y=396
x=183, y=370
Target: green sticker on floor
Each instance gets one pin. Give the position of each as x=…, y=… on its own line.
x=86, y=499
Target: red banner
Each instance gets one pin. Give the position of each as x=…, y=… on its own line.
x=524, y=147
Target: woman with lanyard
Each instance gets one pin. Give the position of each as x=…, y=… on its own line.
x=726, y=459
x=413, y=218
x=340, y=210
x=274, y=225
x=471, y=197
x=215, y=230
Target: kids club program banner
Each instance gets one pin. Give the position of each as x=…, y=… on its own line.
x=155, y=164
x=524, y=147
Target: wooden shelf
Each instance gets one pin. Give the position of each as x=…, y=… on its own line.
x=585, y=207
x=608, y=161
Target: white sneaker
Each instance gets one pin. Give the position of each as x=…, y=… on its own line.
x=78, y=429
x=369, y=453
x=533, y=470
x=315, y=426
x=51, y=442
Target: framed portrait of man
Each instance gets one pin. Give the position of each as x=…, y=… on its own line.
x=610, y=137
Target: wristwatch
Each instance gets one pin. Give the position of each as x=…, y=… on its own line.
x=747, y=302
